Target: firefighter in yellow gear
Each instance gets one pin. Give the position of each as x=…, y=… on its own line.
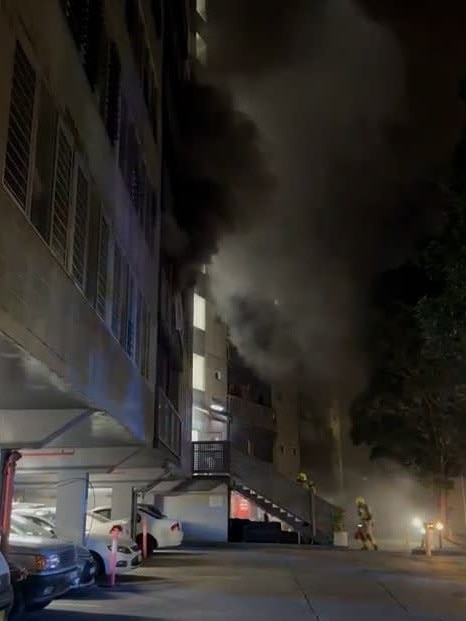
x=366, y=522
x=307, y=483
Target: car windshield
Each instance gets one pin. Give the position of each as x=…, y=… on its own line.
x=27, y=526
x=152, y=511
x=46, y=514
x=98, y=518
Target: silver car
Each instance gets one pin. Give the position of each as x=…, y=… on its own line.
x=52, y=566
x=39, y=526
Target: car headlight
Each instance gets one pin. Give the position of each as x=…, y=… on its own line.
x=45, y=563
x=121, y=549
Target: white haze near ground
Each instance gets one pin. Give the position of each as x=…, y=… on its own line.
x=395, y=497
x=321, y=120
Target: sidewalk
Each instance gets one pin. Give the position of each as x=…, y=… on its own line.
x=277, y=583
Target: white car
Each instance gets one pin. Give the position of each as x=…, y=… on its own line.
x=162, y=532
x=98, y=540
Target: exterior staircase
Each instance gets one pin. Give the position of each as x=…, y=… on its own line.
x=260, y=482
x=281, y=498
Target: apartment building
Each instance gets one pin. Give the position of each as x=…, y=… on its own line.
x=83, y=311
x=210, y=419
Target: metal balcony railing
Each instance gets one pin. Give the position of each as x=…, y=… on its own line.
x=211, y=458
x=169, y=424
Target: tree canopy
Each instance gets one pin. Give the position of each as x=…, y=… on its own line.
x=414, y=407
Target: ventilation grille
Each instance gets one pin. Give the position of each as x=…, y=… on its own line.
x=18, y=148
x=130, y=332
x=61, y=196
x=102, y=275
x=116, y=298
x=80, y=228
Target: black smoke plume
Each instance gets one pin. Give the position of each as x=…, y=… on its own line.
x=307, y=166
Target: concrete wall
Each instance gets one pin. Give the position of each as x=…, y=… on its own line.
x=42, y=309
x=204, y=515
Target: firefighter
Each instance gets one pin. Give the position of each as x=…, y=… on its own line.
x=305, y=482
x=367, y=524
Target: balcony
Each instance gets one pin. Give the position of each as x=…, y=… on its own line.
x=211, y=458
x=251, y=413
x=169, y=425
x=171, y=319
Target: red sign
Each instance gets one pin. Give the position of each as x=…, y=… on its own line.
x=240, y=507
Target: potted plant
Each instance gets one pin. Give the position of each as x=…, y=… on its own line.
x=340, y=535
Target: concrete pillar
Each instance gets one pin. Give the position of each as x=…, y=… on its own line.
x=122, y=500
x=72, y=493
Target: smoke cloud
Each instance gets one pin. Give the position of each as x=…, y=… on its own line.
x=303, y=162
x=301, y=266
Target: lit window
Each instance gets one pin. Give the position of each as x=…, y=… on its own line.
x=199, y=312
x=201, y=49
x=194, y=435
x=198, y=372
x=201, y=8
x=204, y=268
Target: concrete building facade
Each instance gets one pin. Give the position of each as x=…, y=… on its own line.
x=85, y=312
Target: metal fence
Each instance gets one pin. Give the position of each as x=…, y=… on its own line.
x=211, y=458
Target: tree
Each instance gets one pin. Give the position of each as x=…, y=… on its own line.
x=414, y=408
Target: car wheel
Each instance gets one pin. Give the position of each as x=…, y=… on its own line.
x=18, y=608
x=99, y=565
x=37, y=607
x=151, y=543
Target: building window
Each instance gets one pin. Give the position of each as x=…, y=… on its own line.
x=124, y=304
x=61, y=197
x=131, y=317
x=123, y=136
x=110, y=101
x=201, y=49
x=44, y=164
x=201, y=8
x=20, y=128
x=294, y=452
x=80, y=228
x=102, y=269
x=199, y=312
x=218, y=375
x=138, y=341
x=116, y=297
x=282, y=449
x=199, y=372
x=85, y=21
x=143, y=336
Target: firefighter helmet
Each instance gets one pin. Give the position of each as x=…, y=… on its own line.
x=302, y=477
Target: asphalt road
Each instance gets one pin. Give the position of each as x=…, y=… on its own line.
x=277, y=584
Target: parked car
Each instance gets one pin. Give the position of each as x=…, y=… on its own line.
x=6, y=590
x=162, y=532
x=51, y=565
x=99, y=542
x=39, y=526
